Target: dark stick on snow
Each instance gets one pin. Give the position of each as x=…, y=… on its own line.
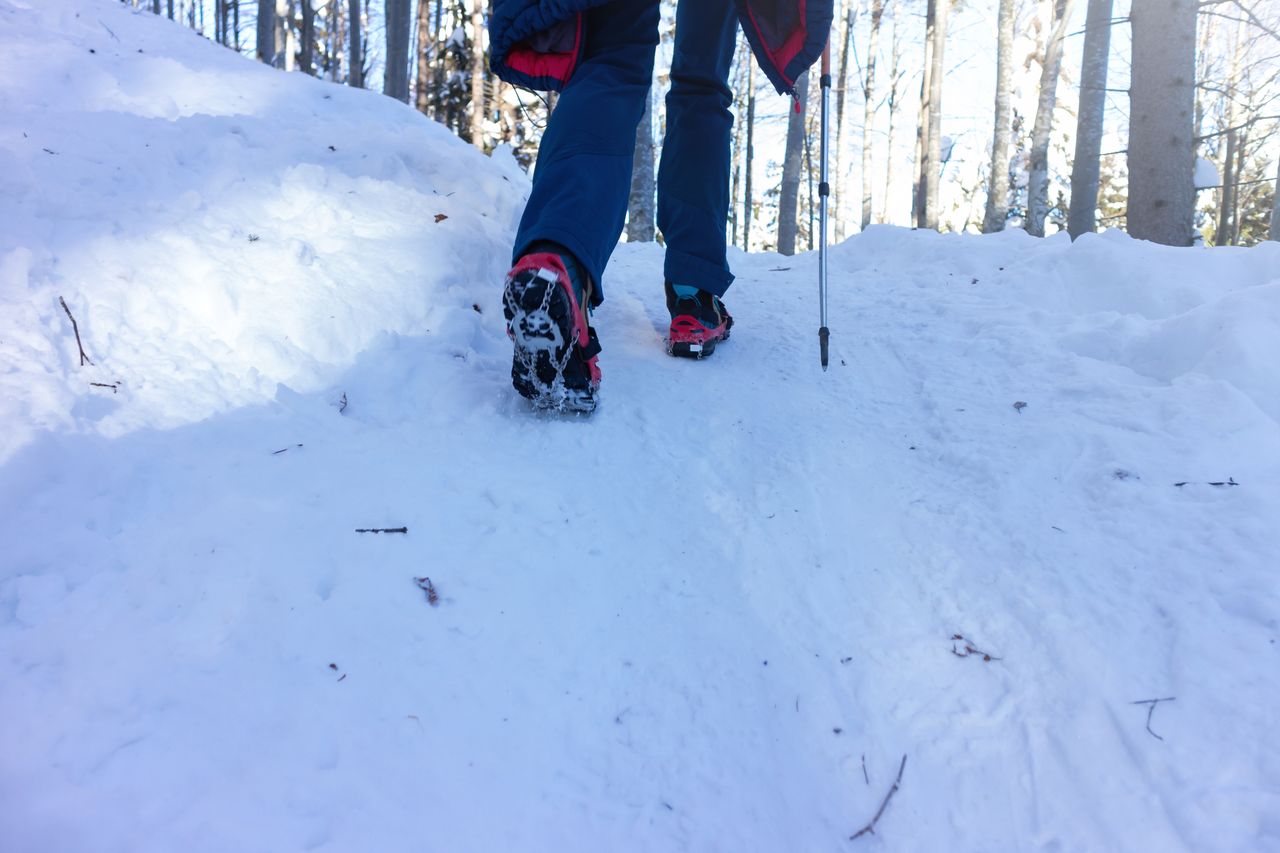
x=114, y=388
x=382, y=530
x=84, y=358
x=871, y=827
x=865, y=777
x=1151, y=709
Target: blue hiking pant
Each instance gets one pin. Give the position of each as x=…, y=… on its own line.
x=583, y=177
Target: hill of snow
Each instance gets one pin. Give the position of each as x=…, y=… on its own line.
x=713, y=616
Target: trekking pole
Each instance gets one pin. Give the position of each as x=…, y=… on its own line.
x=824, y=190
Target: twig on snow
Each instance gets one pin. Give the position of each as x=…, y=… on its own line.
x=1230, y=481
x=282, y=450
x=342, y=404
x=382, y=530
x=870, y=828
x=1151, y=709
x=115, y=388
x=433, y=597
x=969, y=649
x=865, y=777
x=108, y=29
x=84, y=358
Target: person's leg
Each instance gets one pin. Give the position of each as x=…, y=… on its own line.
x=693, y=177
x=583, y=176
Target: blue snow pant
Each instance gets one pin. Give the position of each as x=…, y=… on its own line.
x=583, y=177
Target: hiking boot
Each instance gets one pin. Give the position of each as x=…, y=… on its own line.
x=699, y=321
x=545, y=302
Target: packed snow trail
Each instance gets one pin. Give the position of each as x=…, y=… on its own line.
x=688, y=622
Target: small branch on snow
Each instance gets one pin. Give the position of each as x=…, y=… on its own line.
x=342, y=404
x=84, y=358
x=282, y=450
x=969, y=649
x=1230, y=481
x=382, y=530
x=1151, y=709
x=433, y=597
x=865, y=777
x=115, y=388
x=870, y=828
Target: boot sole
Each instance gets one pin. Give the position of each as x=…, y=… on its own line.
x=546, y=367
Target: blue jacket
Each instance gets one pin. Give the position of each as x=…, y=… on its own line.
x=538, y=43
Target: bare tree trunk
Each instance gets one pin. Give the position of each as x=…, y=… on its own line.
x=1083, y=215
x=894, y=80
x=235, y=25
x=395, y=81
x=920, y=184
x=997, y=210
x=842, y=83
x=1161, y=119
x=1227, y=197
x=438, y=105
x=640, y=206
x=355, y=48
x=170, y=8
x=792, y=165
x=1275, y=206
x=477, y=74
x=422, y=97
x=1038, y=183
x=307, y=54
x=266, y=44
x=869, y=109
x=1241, y=147
x=747, y=204
x=933, y=172
x=739, y=128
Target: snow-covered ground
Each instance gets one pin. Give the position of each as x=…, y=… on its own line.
x=713, y=616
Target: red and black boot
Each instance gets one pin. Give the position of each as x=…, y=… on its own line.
x=555, y=361
x=699, y=321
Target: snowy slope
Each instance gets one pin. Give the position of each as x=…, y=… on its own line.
x=686, y=623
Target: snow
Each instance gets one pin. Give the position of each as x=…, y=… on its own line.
x=1206, y=174
x=684, y=623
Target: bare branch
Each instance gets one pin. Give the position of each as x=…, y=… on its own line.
x=870, y=828
x=1151, y=709
x=84, y=358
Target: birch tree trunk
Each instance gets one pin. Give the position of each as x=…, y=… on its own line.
x=640, y=205
x=395, y=81
x=792, y=165
x=1083, y=215
x=894, y=79
x=1038, y=183
x=933, y=162
x=869, y=109
x=997, y=210
x=422, y=95
x=355, y=49
x=478, y=107
x=1161, y=118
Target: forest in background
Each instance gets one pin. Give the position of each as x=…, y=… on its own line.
x=1155, y=116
